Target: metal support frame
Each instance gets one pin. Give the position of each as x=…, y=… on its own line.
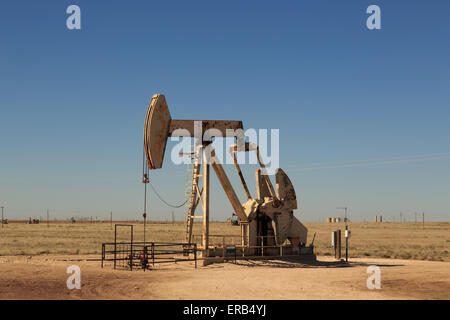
x=159, y=125
x=206, y=153
x=131, y=254
x=209, y=160
x=205, y=201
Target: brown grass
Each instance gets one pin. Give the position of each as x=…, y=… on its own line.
x=388, y=240
x=384, y=240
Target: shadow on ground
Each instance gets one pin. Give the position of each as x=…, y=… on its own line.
x=297, y=263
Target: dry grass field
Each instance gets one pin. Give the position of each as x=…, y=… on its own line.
x=375, y=240
x=389, y=240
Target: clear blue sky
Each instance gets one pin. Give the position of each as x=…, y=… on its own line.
x=72, y=103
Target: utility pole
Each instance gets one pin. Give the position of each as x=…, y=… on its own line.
x=47, y=219
x=173, y=218
x=2, y=215
x=346, y=232
x=111, y=220
x=423, y=220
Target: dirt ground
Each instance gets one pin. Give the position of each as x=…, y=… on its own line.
x=44, y=277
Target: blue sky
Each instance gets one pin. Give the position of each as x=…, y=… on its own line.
x=73, y=102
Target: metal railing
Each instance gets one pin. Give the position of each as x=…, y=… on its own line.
x=142, y=255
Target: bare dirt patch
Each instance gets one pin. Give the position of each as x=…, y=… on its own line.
x=44, y=277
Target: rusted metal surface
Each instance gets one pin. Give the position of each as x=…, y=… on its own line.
x=225, y=127
x=250, y=146
x=241, y=176
x=159, y=126
x=285, y=189
x=205, y=199
x=261, y=187
x=156, y=131
x=227, y=187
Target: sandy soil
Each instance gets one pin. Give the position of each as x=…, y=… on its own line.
x=44, y=277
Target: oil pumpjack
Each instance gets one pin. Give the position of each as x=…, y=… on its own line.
x=267, y=222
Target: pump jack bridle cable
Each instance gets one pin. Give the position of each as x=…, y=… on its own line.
x=144, y=179
x=168, y=204
x=147, y=180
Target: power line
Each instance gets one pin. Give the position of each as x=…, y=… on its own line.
x=374, y=162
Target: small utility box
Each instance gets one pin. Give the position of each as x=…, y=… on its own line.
x=333, y=239
x=231, y=250
x=348, y=234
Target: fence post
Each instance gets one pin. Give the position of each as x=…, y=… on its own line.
x=338, y=245
x=131, y=257
x=115, y=247
x=103, y=253
x=131, y=250
x=195, y=255
x=153, y=253
x=145, y=257
x=262, y=246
